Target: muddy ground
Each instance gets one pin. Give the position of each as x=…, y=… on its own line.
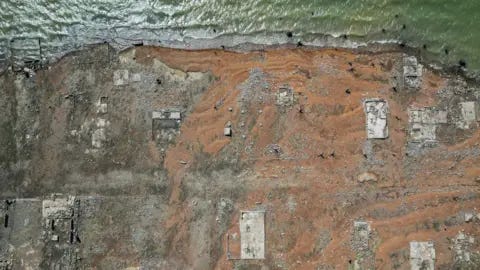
x=138, y=138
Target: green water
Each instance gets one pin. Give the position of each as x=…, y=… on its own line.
x=63, y=25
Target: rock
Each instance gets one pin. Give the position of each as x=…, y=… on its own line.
x=468, y=216
x=367, y=177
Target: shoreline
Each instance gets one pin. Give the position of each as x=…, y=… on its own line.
x=247, y=43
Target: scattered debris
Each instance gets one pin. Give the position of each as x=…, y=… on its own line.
x=462, y=247
x=274, y=149
x=422, y=255
x=361, y=235
x=99, y=134
x=102, y=106
x=58, y=207
x=165, y=124
x=376, y=110
x=252, y=234
x=285, y=96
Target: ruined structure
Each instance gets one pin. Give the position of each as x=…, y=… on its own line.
x=412, y=73
x=423, y=123
x=285, y=96
x=117, y=160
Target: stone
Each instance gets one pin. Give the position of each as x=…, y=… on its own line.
x=468, y=216
x=367, y=177
x=422, y=255
x=376, y=111
x=252, y=235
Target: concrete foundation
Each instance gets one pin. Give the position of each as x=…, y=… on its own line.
x=422, y=256
x=376, y=111
x=252, y=235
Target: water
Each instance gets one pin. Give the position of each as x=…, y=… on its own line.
x=64, y=25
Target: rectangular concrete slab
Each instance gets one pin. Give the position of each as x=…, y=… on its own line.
x=252, y=235
x=120, y=77
x=376, y=111
x=412, y=72
x=469, y=114
x=422, y=255
x=361, y=235
x=58, y=207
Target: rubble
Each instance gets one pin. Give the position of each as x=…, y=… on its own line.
x=462, y=247
x=376, y=111
x=274, y=149
x=412, y=73
x=252, y=234
x=165, y=124
x=99, y=135
x=25, y=53
x=422, y=255
x=361, y=235
x=102, y=106
x=58, y=207
x=285, y=96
